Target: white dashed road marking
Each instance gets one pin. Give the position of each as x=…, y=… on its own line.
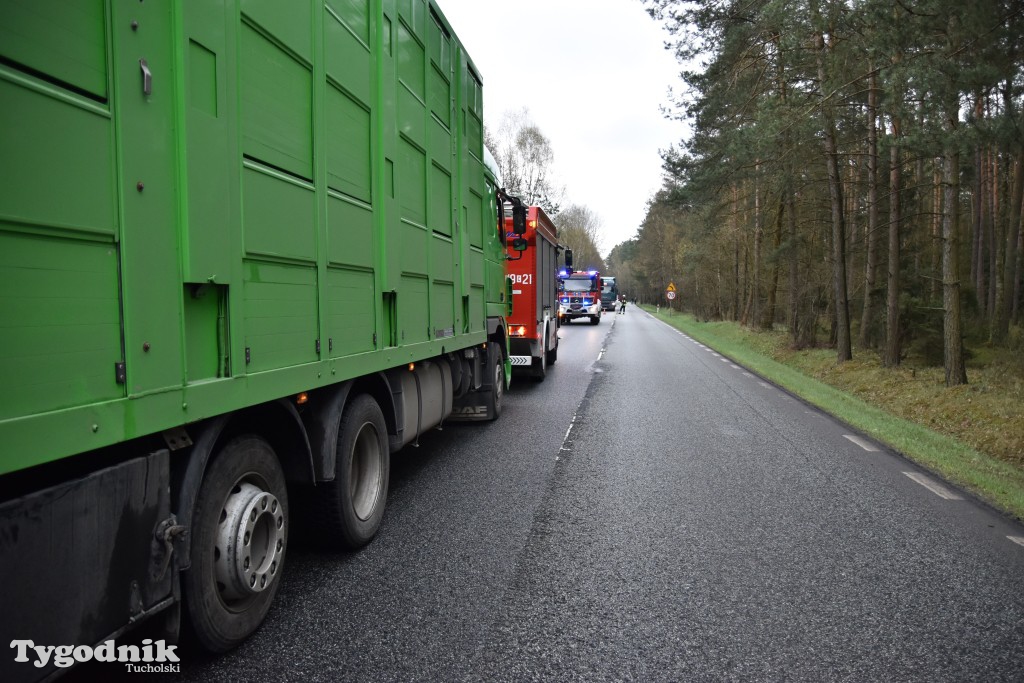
x=933, y=486
x=1019, y=540
x=861, y=442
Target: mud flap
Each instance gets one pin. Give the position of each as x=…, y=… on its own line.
x=82, y=560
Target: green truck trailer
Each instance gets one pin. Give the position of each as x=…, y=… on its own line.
x=248, y=248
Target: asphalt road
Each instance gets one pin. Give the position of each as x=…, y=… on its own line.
x=651, y=512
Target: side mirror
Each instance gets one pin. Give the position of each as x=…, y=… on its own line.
x=519, y=244
x=568, y=259
x=519, y=220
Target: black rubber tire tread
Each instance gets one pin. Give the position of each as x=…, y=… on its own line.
x=333, y=512
x=215, y=626
x=495, y=364
x=540, y=365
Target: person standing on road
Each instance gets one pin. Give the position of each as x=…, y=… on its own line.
x=622, y=308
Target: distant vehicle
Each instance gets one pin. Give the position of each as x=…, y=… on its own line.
x=609, y=293
x=579, y=295
x=533, y=325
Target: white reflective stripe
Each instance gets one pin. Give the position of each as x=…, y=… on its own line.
x=521, y=360
x=933, y=486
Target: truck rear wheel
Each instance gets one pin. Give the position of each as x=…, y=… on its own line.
x=553, y=354
x=350, y=508
x=496, y=397
x=239, y=536
x=540, y=364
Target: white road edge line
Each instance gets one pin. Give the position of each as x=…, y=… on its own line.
x=861, y=442
x=1019, y=540
x=933, y=486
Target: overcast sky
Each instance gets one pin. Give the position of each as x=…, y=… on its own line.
x=593, y=74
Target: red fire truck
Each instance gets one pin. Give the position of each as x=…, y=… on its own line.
x=533, y=325
x=579, y=295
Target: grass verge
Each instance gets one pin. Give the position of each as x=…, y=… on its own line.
x=972, y=436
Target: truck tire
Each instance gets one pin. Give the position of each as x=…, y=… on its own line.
x=553, y=354
x=349, y=509
x=496, y=397
x=595, y=319
x=540, y=364
x=239, y=536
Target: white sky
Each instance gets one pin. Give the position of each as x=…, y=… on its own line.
x=593, y=74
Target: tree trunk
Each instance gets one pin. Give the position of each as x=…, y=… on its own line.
x=994, y=244
x=1004, y=292
x=892, y=352
x=795, y=293
x=936, y=250
x=736, y=254
x=871, y=257
x=952, y=324
x=1018, y=271
x=768, y=313
x=844, y=349
x=978, y=205
x=753, y=312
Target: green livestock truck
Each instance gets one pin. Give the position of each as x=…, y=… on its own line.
x=248, y=249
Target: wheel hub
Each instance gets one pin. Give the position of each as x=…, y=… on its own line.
x=250, y=542
x=365, y=475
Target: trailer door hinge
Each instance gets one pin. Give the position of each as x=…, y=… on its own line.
x=120, y=372
x=374, y=340
x=248, y=355
x=318, y=347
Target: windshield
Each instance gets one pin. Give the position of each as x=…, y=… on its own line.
x=577, y=285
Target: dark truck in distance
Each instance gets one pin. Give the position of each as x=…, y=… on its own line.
x=609, y=294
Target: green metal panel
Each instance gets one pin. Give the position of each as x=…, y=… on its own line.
x=296, y=173
x=205, y=320
x=350, y=311
x=60, y=331
x=348, y=54
x=64, y=40
x=280, y=315
x=411, y=182
x=290, y=24
x=210, y=162
x=350, y=234
x=413, y=310
x=279, y=214
x=348, y=145
x=277, y=101
x=150, y=199
x=58, y=158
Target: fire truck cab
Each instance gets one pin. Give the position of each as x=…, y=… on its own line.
x=579, y=295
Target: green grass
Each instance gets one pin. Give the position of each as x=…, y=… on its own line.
x=971, y=435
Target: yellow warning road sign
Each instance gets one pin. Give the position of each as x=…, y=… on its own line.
x=671, y=287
